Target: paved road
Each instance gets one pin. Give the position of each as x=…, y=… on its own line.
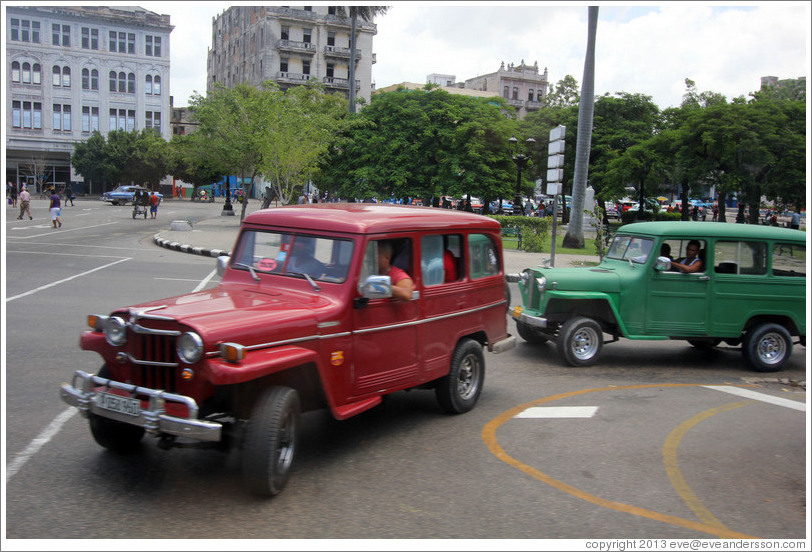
x=658, y=441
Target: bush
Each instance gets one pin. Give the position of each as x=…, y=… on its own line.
x=535, y=230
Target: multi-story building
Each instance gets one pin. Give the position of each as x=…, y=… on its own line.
x=289, y=45
x=521, y=85
x=74, y=70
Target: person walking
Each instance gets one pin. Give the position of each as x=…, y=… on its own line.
x=153, y=208
x=13, y=194
x=25, y=204
x=69, y=196
x=55, y=208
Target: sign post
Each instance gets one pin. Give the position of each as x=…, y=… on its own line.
x=555, y=176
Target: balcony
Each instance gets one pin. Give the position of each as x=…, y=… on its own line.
x=343, y=84
x=340, y=52
x=518, y=104
x=307, y=48
x=284, y=77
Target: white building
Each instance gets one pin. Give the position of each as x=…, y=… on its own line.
x=73, y=70
x=289, y=45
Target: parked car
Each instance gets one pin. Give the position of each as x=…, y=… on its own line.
x=751, y=292
x=236, y=364
x=612, y=210
x=124, y=194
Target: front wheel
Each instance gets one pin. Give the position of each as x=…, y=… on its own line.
x=270, y=441
x=767, y=347
x=579, y=341
x=459, y=390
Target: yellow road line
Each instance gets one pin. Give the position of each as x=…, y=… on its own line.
x=489, y=437
x=672, y=468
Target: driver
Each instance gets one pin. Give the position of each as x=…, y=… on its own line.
x=302, y=258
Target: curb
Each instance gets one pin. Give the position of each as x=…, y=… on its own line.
x=184, y=248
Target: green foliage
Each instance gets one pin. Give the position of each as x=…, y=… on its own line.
x=123, y=157
x=535, y=230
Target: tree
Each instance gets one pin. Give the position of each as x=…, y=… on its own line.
x=91, y=159
x=575, y=230
x=365, y=13
x=191, y=161
x=563, y=94
x=151, y=158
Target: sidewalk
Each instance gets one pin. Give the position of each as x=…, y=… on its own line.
x=215, y=236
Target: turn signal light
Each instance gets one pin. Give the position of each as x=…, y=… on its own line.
x=232, y=352
x=96, y=322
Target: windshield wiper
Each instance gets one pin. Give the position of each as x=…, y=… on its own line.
x=250, y=269
x=316, y=287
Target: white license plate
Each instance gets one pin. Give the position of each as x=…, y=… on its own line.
x=122, y=405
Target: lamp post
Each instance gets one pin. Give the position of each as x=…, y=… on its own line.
x=520, y=158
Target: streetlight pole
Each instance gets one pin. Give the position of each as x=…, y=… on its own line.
x=520, y=158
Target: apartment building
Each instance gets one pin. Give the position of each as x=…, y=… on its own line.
x=289, y=45
x=521, y=85
x=71, y=70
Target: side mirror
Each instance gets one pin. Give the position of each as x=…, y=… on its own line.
x=662, y=264
x=376, y=287
x=222, y=264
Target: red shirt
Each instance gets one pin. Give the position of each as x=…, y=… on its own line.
x=397, y=274
x=153, y=199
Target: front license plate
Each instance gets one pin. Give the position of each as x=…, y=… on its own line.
x=122, y=405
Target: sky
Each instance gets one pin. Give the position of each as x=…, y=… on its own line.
x=648, y=48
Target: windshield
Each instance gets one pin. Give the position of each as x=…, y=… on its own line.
x=288, y=254
x=630, y=248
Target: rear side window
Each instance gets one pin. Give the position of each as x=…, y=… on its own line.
x=482, y=257
x=740, y=257
x=440, y=258
x=789, y=259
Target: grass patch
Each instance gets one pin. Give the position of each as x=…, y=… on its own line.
x=589, y=245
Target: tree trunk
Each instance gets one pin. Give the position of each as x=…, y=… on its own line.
x=353, y=41
x=574, y=237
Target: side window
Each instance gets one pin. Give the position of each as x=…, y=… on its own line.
x=482, y=259
x=440, y=258
x=401, y=256
x=789, y=259
x=740, y=257
x=677, y=250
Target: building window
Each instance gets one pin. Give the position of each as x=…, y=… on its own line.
x=331, y=10
x=506, y=92
x=15, y=71
x=283, y=65
x=306, y=35
x=148, y=85
x=37, y=74
x=153, y=120
x=112, y=81
x=530, y=95
x=61, y=76
x=153, y=46
x=62, y=117
x=305, y=67
x=123, y=43
x=285, y=34
x=26, y=114
x=60, y=34
x=330, y=70
x=156, y=85
x=331, y=38
x=131, y=83
x=90, y=119
x=119, y=119
x=90, y=79
x=122, y=82
x=24, y=30
x=90, y=38
x=515, y=92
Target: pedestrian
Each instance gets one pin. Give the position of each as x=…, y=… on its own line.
x=153, y=205
x=13, y=194
x=25, y=204
x=55, y=208
x=69, y=196
x=715, y=212
x=794, y=221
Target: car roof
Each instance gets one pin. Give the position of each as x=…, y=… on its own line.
x=369, y=218
x=698, y=230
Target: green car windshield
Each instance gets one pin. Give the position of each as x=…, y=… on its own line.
x=630, y=248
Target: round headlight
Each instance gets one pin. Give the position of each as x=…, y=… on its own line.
x=115, y=331
x=190, y=347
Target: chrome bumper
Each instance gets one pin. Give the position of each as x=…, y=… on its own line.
x=533, y=321
x=153, y=419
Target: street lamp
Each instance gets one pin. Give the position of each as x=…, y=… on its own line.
x=520, y=158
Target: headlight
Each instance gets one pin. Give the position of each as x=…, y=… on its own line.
x=190, y=347
x=115, y=331
x=541, y=284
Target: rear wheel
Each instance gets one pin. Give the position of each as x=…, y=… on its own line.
x=270, y=441
x=459, y=390
x=114, y=435
x=767, y=347
x=580, y=341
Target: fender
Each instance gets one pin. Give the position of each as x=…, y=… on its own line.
x=257, y=364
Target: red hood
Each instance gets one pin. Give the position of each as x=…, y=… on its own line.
x=242, y=313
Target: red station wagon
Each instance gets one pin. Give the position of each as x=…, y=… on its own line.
x=300, y=321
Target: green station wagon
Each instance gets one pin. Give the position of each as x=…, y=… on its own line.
x=749, y=291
